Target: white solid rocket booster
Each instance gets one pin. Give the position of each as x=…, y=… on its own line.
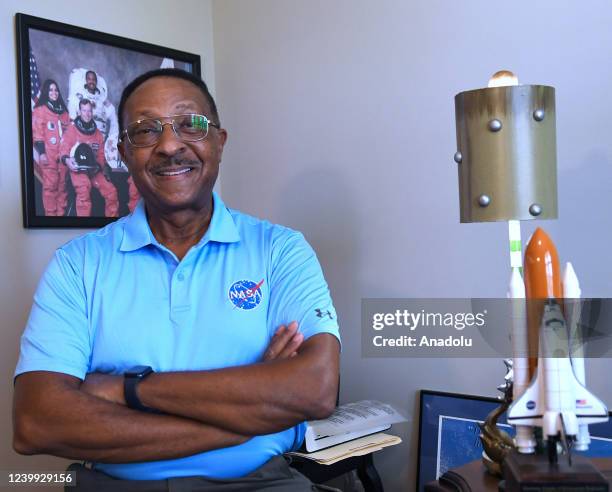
x=525, y=440
x=571, y=290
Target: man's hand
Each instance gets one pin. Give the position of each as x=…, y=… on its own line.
x=284, y=343
x=71, y=163
x=263, y=398
x=108, y=387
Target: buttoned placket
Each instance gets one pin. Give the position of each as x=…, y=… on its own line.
x=180, y=283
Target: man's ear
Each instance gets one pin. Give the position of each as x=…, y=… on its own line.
x=121, y=149
x=221, y=139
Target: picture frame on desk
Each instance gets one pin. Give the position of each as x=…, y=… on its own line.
x=449, y=432
x=59, y=66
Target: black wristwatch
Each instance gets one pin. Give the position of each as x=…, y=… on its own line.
x=131, y=378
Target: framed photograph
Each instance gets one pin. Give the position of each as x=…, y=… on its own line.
x=70, y=84
x=449, y=432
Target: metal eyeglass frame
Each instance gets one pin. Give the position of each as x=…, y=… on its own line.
x=124, y=133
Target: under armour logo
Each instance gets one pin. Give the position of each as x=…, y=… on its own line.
x=321, y=314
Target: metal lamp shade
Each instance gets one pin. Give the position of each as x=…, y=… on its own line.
x=507, y=157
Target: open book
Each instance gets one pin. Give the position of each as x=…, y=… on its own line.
x=350, y=421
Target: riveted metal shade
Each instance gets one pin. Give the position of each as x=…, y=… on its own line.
x=507, y=153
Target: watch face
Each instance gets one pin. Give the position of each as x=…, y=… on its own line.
x=138, y=371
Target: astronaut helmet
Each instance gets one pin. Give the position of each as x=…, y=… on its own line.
x=84, y=157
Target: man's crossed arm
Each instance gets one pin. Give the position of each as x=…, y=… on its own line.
x=58, y=414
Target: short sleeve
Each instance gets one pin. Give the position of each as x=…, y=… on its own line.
x=56, y=337
x=298, y=290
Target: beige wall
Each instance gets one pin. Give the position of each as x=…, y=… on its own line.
x=341, y=124
x=26, y=252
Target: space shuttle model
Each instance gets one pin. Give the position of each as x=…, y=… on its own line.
x=556, y=399
x=506, y=158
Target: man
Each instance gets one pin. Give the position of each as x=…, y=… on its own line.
x=91, y=82
x=95, y=90
x=84, y=131
x=104, y=113
x=221, y=308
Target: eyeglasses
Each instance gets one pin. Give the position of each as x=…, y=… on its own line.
x=186, y=127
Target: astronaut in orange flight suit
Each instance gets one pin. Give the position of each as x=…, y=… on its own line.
x=133, y=194
x=49, y=120
x=84, y=131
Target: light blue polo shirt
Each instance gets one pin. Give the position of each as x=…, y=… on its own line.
x=116, y=298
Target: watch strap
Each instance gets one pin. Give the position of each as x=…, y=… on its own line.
x=130, y=385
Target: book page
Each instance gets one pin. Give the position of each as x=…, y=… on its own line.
x=358, y=447
x=356, y=416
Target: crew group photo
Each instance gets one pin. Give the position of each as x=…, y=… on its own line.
x=75, y=85
x=74, y=146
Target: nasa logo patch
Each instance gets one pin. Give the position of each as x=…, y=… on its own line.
x=246, y=294
x=530, y=405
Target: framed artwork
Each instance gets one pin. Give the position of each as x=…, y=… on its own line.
x=70, y=84
x=449, y=432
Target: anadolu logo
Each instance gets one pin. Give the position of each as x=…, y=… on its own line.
x=246, y=294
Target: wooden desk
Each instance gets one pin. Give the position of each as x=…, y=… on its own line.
x=474, y=478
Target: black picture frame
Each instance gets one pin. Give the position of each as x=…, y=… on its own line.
x=436, y=404
x=433, y=404
x=64, y=47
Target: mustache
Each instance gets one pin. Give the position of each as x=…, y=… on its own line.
x=175, y=162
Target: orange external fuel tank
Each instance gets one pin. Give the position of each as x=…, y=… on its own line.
x=542, y=277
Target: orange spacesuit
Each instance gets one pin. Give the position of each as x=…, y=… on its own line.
x=47, y=128
x=133, y=194
x=81, y=132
